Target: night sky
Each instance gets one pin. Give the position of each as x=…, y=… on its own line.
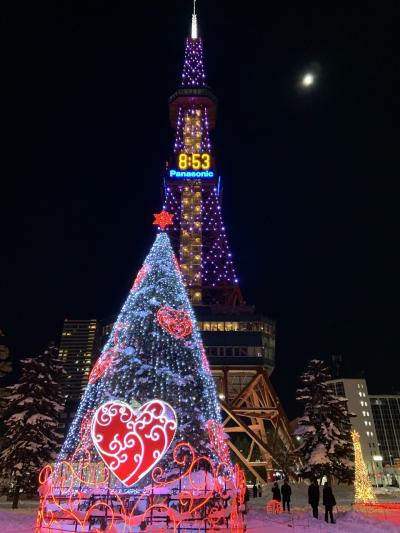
x=310, y=177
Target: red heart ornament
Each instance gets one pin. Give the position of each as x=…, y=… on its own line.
x=132, y=442
x=176, y=321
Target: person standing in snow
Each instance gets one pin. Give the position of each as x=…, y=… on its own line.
x=276, y=492
x=313, y=497
x=286, y=492
x=255, y=490
x=328, y=500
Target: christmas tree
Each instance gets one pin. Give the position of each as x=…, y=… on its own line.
x=362, y=484
x=155, y=351
x=153, y=374
x=324, y=429
x=32, y=413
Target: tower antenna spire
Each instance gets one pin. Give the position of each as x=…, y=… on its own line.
x=194, y=33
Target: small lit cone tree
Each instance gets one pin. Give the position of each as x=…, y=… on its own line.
x=152, y=374
x=363, y=491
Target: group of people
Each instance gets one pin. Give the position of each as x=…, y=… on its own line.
x=328, y=499
x=257, y=490
x=284, y=492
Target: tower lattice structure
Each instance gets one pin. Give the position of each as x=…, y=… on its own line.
x=240, y=344
x=193, y=188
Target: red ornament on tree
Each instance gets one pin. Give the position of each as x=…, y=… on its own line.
x=106, y=360
x=176, y=264
x=163, y=219
x=140, y=277
x=176, y=321
x=218, y=440
x=132, y=442
x=204, y=359
x=102, y=364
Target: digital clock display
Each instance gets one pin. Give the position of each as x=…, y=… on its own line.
x=194, y=161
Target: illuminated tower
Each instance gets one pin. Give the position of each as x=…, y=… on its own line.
x=240, y=344
x=193, y=188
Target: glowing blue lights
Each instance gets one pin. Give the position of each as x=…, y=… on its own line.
x=185, y=174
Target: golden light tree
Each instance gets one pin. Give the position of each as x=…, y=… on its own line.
x=362, y=484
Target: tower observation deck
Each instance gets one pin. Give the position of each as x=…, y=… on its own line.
x=240, y=343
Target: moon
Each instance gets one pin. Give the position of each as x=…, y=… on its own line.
x=308, y=79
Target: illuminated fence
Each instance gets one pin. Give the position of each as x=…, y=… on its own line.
x=196, y=495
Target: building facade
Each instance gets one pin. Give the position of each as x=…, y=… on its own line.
x=79, y=347
x=358, y=402
x=386, y=414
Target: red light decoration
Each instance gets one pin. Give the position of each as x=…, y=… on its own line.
x=107, y=359
x=176, y=264
x=176, y=321
x=217, y=437
x=163, y=219
x=274, y=507
x=140, y=277
x=103, y=363
x=132, y=442
x=194, y=494
x=204, y=360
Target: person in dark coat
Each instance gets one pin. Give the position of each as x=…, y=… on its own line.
x=276, y=492
x=313, y=497
x=254, y=490
x=286, y=492
x=259, y=490
x=328, y=500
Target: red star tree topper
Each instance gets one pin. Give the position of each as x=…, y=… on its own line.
x=163, y=219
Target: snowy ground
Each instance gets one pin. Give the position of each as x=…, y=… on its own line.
x=258, y=521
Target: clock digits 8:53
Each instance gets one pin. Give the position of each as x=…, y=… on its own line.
x=194, y=161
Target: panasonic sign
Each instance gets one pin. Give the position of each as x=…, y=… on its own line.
x=182, y=174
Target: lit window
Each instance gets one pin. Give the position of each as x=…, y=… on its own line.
x=363, y=413
x=366, y=422
x=360, y=394
x=206, y=326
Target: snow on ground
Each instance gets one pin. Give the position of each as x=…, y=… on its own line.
x=258, y=521
x=16, y=521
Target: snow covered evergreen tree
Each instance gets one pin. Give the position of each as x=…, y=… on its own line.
x=326, y=447
x=5, y=363
x=31, y=415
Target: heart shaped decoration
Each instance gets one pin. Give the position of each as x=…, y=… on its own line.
x=132, y=442
x=176, y=321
